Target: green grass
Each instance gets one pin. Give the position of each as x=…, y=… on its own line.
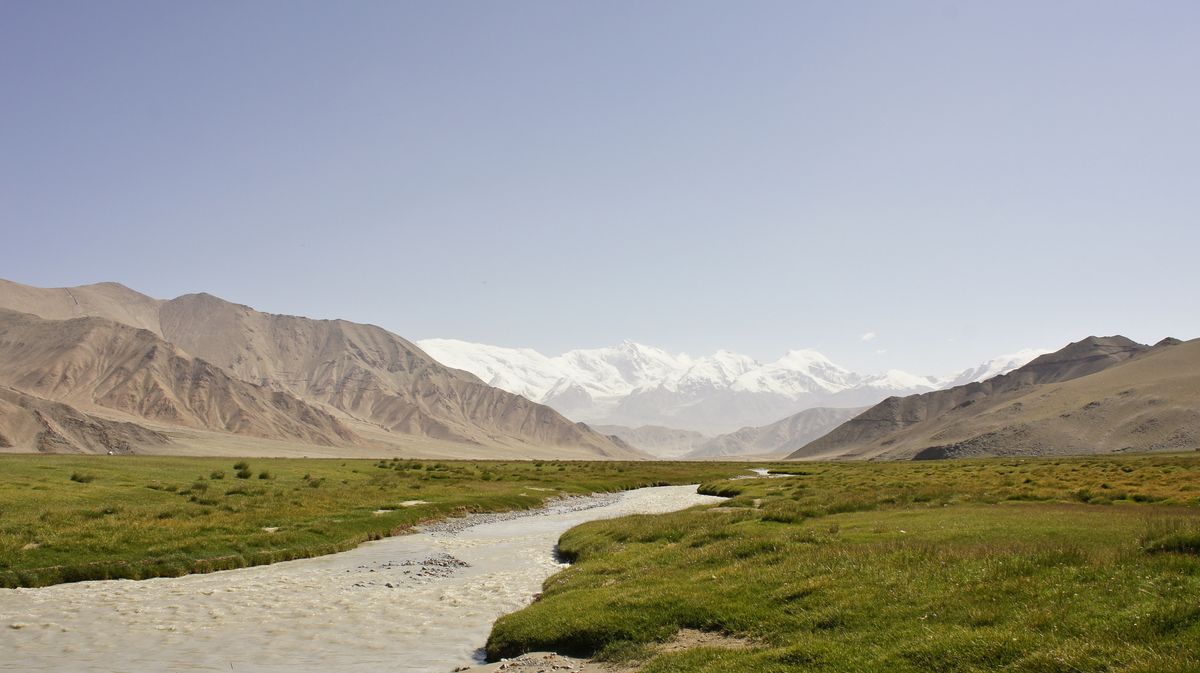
x=71, y=518
x=1058, y=565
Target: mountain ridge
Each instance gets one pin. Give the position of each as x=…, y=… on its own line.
x=1021, y=411
x=94, y=363
x=361, y=375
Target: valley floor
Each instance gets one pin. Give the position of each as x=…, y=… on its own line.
x=71, y=518
x=1070, y=565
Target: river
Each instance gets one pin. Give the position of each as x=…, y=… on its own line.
x=421, y=602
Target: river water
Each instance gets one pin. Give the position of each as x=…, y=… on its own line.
x=420, y=602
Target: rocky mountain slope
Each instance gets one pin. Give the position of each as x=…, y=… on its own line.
x=333, y=379
x=634, y=385
x=781, y=437
x=368, y=373
x=1096, y=395
x=97, y=364
x=52, y=427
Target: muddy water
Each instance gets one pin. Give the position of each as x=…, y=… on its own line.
x=421, y=602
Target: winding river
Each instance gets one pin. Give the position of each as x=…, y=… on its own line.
x=420, y=602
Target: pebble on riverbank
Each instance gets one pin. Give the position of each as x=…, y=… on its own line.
x=543, y=662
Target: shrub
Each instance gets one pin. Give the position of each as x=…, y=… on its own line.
x=217, y=474
x=265, y=475
x=82, y=478
x=244, y=473
x=241, y=465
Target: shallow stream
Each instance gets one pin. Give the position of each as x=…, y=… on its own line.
x=420, y=602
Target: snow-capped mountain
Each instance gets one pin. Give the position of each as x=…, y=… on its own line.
x=797, y=373
x=633, y=384
x=601, y=372
x=994, y=367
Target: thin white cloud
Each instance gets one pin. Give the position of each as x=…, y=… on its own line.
x=881, y=351
x=867, y=337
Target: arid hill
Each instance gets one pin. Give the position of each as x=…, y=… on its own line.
x=781, y=437
x=324, y=381
x=368, y=373
x=96, y=364
x=53, y=427
x=1102, y=394
x=102, y=300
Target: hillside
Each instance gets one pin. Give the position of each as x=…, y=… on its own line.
x=101, y=300
x=53, y=427
x=1100, y=394
x=333, y=380
x=779, y=438
x=97, y=364
x=370, y=374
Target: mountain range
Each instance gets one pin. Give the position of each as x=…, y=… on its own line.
x=634, y=385
x=1096, y=395
x=102, y=367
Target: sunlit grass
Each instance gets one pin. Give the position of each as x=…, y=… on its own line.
x=957, y=566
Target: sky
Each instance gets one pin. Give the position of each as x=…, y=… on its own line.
x=956, y=180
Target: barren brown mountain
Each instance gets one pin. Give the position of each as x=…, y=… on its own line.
x=1098, y=395
x=97, y=364
x=368, y=373
x=359, y=375
x=53, y=427
x=102, y=300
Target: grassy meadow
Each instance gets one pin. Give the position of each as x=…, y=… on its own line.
x=71, y=518
x=1037, y=566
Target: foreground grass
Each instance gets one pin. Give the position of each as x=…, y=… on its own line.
x=71, y=518
x=1081, y=565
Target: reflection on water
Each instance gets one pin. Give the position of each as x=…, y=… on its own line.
x=421, y=602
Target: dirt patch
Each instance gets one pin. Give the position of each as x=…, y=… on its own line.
x=688, y=639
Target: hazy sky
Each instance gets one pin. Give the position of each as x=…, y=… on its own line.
x=960, y=179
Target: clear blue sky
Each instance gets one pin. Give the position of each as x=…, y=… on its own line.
x=961, y=179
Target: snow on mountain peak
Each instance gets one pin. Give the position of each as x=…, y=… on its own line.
x=620, y=370
x=1002, y=364
x=803, y=357
x=797, y=373
x=895, y=379
x=718, y=370
x=632, y=383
